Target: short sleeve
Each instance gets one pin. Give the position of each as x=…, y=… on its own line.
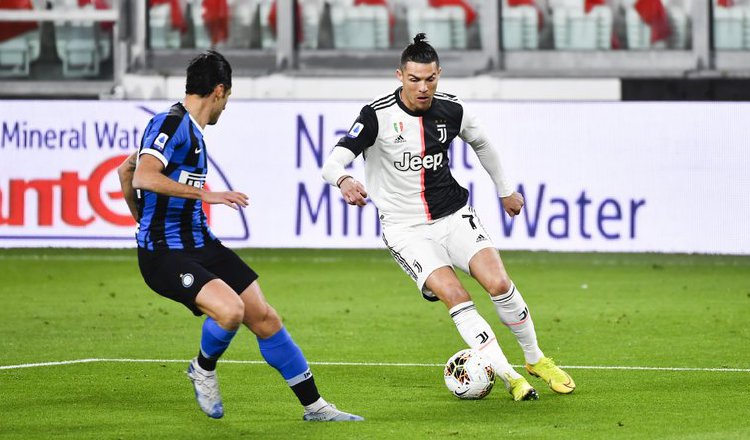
x=162, y=138
x=363, y=132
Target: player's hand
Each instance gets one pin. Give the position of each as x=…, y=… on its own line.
x=353, y=192
x=233, y=199
x=513, y=204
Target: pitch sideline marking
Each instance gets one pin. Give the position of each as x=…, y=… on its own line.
x=365, y=364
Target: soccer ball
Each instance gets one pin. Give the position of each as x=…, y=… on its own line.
x=468, y=375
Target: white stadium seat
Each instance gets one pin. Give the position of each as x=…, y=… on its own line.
x=360, y=27
x=731, y=27
x=161, y=32
x=520, y=27
x=445, y=26
x=575, y=29
x=81, y=45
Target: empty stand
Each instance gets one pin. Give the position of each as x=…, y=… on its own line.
x=164, y=33
x=360, y=27
x=445, y=26
x=19, y=43
x=520, y=27
x=659, y=24
x=731, y=25
x=81, y=45
x=574, y=28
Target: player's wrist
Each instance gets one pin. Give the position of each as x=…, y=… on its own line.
x=341, y=180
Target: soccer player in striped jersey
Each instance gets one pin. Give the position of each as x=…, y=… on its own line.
x=426, y=221
x=181, y=259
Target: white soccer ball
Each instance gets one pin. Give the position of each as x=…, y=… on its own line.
x=468, y=375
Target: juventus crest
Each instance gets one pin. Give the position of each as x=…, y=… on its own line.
x=442, y=133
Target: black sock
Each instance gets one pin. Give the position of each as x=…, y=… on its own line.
x=206, y=363
x=306, y=391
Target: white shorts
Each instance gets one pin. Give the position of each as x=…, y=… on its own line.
x=449, y=241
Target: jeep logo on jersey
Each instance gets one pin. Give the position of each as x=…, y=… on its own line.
x=443, y=132
x=416, y=163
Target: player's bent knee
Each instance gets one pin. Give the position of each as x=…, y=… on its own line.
x=498, y=285
x=229, y=314
x=263, y=323
x=453, y=297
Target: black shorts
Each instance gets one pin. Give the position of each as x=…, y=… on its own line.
x=179, y=274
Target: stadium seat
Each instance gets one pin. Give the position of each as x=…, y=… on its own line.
x=576, y=29
x=360, y=27
x=163, y=33
x=200, y=31
x=445, y=26
x=639, y=33
x=310, y=25
x=81, y=45
x=14, y=57
x=520, y=27
x=731, y=27
x=19, y=43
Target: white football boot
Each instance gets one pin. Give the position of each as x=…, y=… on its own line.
x=329, y=413
x=206, y=390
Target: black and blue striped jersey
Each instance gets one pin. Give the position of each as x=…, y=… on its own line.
x=166, y=222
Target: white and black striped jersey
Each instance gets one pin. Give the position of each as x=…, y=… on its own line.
x=406, y=157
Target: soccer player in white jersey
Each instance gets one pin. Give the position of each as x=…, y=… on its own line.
x=427, y=223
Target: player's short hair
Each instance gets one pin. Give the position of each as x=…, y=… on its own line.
x=206, y=71
x=420, y=51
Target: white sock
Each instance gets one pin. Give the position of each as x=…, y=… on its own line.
x=479, y=336
x=514, y=313
x=316, y=406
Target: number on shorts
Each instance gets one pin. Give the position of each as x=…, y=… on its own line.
x=471, y=220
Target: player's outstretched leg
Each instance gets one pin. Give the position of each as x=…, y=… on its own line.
x=514, y=313
x=479, y=335
x=283, y=354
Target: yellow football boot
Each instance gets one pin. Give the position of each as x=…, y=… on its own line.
x=556, y=378
x=520, y=388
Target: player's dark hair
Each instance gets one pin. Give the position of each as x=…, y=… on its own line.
x=420, y=51
x=206, y=71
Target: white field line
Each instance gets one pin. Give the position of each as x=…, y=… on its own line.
x=367, y=364
x=385, y=258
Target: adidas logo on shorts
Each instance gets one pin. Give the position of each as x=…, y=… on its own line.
x=400, y=139
x=481, y=238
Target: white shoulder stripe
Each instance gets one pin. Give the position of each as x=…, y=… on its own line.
x=382, y=98
x=384, y=104
x=156, y=154
x=446, y=97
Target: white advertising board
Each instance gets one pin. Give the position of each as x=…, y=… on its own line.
x=645, y=177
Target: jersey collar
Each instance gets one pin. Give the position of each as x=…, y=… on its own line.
x=406, y=109
x=200, y=130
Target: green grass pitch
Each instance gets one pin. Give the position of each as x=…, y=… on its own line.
x=356, y=309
